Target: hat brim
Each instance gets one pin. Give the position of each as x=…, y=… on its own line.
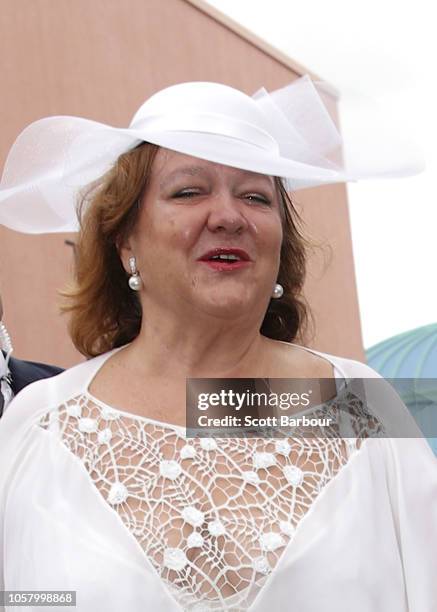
x=55, y=158
x=287, y=133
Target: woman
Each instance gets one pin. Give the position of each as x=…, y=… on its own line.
x=190, y=265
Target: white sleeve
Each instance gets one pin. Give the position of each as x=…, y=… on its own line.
x=411, y=471
x=14, y=432
x=17, y=425
x=412, y=480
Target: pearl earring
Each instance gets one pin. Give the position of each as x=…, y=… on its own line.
x=135, y=282
x=278, y=291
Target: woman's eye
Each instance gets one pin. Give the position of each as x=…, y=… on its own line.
x=191, y=192
x=258, y=197
x=186, y=193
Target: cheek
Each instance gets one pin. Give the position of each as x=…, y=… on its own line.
x=182, y=231
x=269, y=237
x=169, y=234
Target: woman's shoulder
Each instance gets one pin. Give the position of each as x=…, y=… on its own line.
x=56, y=389
x=319, y=364
x=351, y=368
x=379, y=396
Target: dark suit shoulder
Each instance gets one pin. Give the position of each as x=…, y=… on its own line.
x=25, y=372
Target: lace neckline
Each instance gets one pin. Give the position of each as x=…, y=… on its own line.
x=102, y=359
x=190, y=505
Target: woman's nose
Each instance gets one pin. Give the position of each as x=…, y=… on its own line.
x=226, y=215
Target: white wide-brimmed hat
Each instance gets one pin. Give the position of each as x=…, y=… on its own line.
x=288, y=133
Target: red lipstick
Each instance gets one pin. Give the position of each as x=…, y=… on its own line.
x=225, y=259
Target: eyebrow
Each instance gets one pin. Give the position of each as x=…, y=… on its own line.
x=201, y=170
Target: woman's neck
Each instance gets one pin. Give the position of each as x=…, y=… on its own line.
x=196, y=347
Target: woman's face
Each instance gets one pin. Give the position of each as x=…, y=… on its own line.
x=208, y=237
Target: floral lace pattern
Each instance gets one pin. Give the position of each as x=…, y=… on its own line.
x=213, y=516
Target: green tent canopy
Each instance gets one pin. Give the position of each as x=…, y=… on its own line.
x=412, y=356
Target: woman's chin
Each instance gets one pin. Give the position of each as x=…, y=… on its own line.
x=227, y=306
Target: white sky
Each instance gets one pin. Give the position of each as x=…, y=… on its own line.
x=387, y=49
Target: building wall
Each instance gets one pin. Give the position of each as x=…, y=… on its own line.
x=101, y=60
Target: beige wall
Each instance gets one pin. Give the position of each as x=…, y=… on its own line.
x=101, y=59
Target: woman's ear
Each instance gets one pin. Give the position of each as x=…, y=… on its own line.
x=125, y=251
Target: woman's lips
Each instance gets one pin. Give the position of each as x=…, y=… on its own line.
x=225, y=259
x=223, y=266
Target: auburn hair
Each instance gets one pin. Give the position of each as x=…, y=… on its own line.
x=104, y=312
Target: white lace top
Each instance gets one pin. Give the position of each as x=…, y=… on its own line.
x=213, y=515
x=133, y=515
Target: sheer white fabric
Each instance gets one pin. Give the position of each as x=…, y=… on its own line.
x=288, y=133
x=133, y=515
x=212, y=515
